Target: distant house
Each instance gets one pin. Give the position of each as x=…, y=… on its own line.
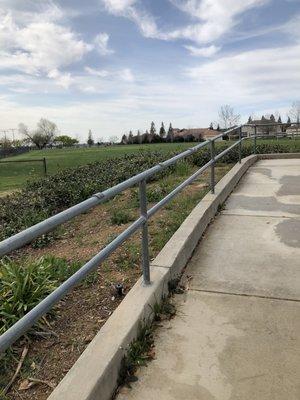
x=264, y=126
x=195, y=134
x=293, y=130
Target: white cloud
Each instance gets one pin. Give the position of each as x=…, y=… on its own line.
x=39, y=47
x=118, y=6
x=125, y=74
x=101, y=43
x=62, y=79
x=214, y=18
x=128, y=9
x=102, y=73
x=208, y=51
x=251, y=77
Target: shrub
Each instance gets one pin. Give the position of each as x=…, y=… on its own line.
x=43, y=198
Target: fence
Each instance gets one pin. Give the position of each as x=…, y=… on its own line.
x=26, y=236
x=42, y=160
x=13, y=151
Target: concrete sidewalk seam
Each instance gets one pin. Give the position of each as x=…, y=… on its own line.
x=259, y=215
x=244, y=295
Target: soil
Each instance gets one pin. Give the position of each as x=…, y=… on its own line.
x=83, y=311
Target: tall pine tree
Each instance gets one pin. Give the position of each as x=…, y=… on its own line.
x=170, y=135
x=162, y=131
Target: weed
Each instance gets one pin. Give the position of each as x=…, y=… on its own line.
x=120, y=217
x=183, y=168
x=23, y=286
x=163, y=309
x=139, y=352
x=129, y=257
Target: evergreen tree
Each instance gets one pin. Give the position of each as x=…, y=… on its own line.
x=139, y=137
x=162, y=131
x=279, y=120
x=90, y=140
x=288, y=120
x=249, y=120
x=272, y=118
x=152, y=129
x=124, y=139
x=130, y=138
x=170, y=135
x=211, y=126
x=218, y=127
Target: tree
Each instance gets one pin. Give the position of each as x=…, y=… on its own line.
x=170, y=134
x=43, y=135
x=288, y=121
x=139, y=137
x=294, y=112
x=211, y=126
x=152, y=129
x=228, y=118
x=124, y=139
x=249, y=120
x=66, y=140
x=162, y=131
x=130, y=138
x=279, y=120
x=272, y=118
x=90, y=140
x=218, y=128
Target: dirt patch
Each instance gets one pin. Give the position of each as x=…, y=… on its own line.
x=83, y=311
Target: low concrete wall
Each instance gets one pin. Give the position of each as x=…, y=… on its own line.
x=94, y=375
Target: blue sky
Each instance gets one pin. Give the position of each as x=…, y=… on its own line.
x=116, y=65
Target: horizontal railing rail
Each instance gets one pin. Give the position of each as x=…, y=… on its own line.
x=22, y=238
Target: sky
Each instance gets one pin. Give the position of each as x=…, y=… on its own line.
x=116, y=65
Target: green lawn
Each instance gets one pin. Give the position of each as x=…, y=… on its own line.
x=14, y=175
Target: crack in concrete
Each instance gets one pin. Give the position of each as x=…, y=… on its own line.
x=245, y=295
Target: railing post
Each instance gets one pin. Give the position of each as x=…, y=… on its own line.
x=212, y=168
x=240, y=145
x=255, y=133
x=145, y=244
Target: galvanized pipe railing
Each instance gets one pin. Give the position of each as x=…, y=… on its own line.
x=26, y=236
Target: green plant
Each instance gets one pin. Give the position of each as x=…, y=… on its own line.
x=129, y=257
x=139, y=352
x=45, y=197
x=120, y=217
x=24, y=285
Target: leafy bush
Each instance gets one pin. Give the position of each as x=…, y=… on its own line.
x=23, y=286
x=43, y=198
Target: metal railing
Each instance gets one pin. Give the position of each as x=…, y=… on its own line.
x=26, y=236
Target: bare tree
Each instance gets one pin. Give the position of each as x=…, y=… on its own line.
x=228, y=117
x=44, y=133
x=294, y=112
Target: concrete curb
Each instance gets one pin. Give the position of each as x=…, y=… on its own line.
x=95, y=373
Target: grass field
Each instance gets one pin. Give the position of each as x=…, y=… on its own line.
x=14, y=175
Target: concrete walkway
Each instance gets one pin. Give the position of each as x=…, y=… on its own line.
x=236, y=335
